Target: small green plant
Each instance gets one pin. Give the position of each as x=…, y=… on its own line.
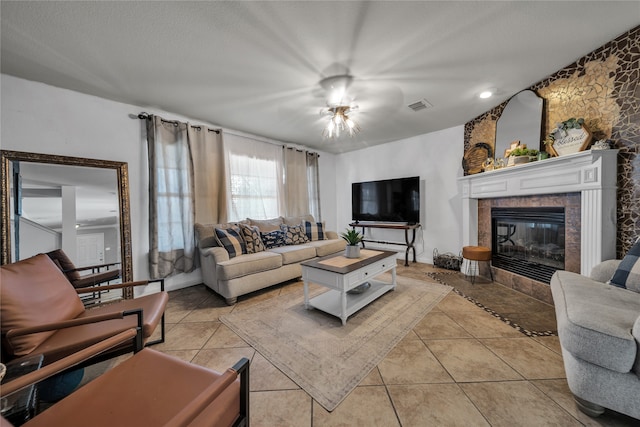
x=519, y=151
x=352, y=237
x=562, y=129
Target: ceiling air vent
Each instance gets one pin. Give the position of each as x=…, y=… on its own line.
x=423, y=104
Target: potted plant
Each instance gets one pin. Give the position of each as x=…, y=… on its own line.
x=353, y=239
x=522, y=154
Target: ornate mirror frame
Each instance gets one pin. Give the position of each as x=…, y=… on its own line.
x=121, y=170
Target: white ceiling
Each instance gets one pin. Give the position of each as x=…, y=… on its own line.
x=254, y=66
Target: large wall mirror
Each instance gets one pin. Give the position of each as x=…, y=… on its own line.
x=76, y=204
x=521, y=120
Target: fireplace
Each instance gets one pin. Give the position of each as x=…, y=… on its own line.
x=529, y=241
x=584, y=184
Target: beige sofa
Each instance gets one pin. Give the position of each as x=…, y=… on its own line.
x=234, y=274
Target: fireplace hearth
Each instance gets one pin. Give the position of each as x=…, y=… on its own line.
x=529, y=241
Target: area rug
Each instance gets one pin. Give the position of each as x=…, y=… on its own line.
x=324, y=358
x=521, y=312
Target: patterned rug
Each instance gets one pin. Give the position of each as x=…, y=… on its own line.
x=523, y=313
x=324, y=358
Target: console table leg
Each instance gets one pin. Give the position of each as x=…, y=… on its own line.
x=344, y=308
x=306, y=294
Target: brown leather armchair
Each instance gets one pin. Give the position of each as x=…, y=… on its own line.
x=78, y=280
x=36, y=300
x=150, y=388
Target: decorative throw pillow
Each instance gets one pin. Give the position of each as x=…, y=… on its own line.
x=232, y=241
x=314, y=230
x=294, y=234
x=251, y=235
x=628, y=273
x=272, y=239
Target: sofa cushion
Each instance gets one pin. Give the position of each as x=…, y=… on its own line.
x=294, y=234
x=251, y=236
x=266, y=225
x=297, y=220
x=328, y=247
x=595, y=320
x=314, y=230
x=231, y=240
x=292, y=254
x=628, y=273
x=272, y=239
x=206, y=233
x=34, y=292
x=248, y=264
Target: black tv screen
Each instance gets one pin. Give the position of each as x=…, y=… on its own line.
x=389, y=200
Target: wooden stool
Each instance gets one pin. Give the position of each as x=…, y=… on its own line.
x=476, y=254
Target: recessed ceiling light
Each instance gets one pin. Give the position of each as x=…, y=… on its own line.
x=486, y=94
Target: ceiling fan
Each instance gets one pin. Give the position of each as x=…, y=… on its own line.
x=340, y=106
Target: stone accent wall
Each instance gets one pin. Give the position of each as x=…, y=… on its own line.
x=603, y=88
x=571, y=204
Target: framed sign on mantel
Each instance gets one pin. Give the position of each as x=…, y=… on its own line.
x=569, y=141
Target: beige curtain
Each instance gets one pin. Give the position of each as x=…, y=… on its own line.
x=171, y=201
x=209, y=174
x=296, y=187
x=313, y=182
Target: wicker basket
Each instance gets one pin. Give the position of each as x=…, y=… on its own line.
x=447, y=260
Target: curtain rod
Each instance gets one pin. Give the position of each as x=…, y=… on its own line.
x=146, y=116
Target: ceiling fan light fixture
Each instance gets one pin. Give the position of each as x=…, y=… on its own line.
x=339, y=122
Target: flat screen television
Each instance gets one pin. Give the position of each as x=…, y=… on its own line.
x=389, y=200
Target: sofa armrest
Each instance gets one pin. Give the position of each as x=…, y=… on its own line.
x=331, y=235
x=603, y=272
x=216, y=253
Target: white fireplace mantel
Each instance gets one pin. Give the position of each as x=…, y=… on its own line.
x=592, y=173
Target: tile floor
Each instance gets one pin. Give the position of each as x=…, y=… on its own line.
x=459, y=366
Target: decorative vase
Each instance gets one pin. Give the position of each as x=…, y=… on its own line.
x=352, y=251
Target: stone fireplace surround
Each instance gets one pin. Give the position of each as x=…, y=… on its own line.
x=584, y=183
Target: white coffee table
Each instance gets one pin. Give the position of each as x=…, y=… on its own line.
x=341, y=274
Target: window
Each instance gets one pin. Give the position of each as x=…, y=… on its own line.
x=255, y=178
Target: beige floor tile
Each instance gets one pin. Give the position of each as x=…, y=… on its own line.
x=467, y=360
x=373, y=378
x=288, y=408
x=188, y=336
x=552, y=343
x=434, y=405
x=365, y=406
x=224, y=337
x=559, y=392
x=174, y=313
x=264, y=376
x=437, y=325
x=209, y=310
x=516, y=403
x=481, y=324
x=411, y=362
x=220, y=359
x=530, y=358
x=454, y=303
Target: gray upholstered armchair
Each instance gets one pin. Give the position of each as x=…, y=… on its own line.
x=599, y=331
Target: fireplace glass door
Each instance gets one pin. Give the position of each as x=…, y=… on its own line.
x=529, y=241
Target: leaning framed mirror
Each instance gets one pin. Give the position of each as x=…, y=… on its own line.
x=80, y=205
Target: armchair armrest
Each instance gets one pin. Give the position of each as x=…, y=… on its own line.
x=116, y=286
x=208, y=395
x=90, y=267
x=68, y=362
x=12, y=333
x=603, y=272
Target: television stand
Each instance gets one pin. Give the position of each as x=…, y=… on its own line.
x=406, y=227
